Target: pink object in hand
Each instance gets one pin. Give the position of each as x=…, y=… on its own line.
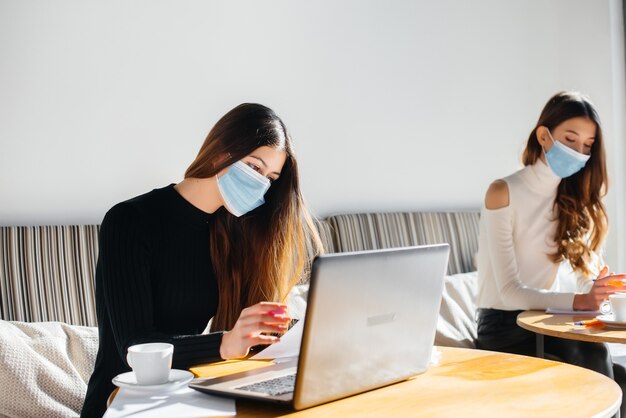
x=277, y=312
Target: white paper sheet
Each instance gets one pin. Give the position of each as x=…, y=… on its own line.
x=184, y=402
x=288, y=346
x=572, y=312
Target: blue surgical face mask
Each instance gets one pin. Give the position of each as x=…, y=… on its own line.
x=563, y=160
x=242, y=188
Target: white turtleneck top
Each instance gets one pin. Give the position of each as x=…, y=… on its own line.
x=514, y=270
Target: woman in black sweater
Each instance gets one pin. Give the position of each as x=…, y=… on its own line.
x=227, y=243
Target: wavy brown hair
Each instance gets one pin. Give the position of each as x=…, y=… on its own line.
x=582, y=219
x=261, y=255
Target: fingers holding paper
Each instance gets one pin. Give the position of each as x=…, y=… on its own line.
x=252, y=327
x=604, y=285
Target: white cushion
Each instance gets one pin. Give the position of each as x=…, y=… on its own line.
x=456, y=326
x=45, y=368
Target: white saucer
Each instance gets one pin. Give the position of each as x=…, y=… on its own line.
x=610, y=321
x=177, y=379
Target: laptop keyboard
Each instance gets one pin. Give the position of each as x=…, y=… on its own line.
x=273, y=387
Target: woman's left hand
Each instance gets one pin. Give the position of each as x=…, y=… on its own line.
x=604, y=285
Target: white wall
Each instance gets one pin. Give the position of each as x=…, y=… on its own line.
x=394, y=105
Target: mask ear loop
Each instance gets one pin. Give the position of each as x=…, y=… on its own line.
x=550, y=135
x=551, y=139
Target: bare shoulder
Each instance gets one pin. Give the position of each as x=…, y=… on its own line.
x=497, y=195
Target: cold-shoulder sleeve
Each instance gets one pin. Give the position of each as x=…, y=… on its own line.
x=513, y=292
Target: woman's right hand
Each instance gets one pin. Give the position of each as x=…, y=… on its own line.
x=250, y=329
x=603, y=286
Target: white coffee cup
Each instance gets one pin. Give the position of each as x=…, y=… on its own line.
x=616, y=305
x=151, y=362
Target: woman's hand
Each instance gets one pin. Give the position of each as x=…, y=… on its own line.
x=603, y=286
x=254, y=321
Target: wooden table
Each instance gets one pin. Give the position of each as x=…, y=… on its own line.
x=563, y=326
x=467, y=383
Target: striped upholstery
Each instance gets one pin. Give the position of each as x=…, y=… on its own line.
x=47, y=273
x=369, y=231
x=326, y=235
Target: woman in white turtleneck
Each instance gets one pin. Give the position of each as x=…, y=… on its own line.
x=540, y=223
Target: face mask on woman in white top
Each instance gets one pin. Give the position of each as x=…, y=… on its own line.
x=563, y=160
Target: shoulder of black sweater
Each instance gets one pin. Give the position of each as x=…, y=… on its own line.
x=133, y=217
x=137, y=206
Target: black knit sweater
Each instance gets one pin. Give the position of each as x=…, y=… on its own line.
x=154, y=283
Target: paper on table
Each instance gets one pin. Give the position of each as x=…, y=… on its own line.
x=184, y=402
x=572, y=312
x=288, y=346
x=435, y=357
x=227, y=367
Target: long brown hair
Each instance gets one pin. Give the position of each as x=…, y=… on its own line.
x=582, y=219
x=261, y=255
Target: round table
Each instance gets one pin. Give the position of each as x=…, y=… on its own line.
x=466, y=383
x=563, y=326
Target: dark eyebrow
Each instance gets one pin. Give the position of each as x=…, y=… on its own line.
x=576, y=133
x=263, y=162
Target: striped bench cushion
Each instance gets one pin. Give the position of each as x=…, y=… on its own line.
x=47, y=273
x=326, y=235
x=370, y=231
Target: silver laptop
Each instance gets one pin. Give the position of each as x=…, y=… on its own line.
x=370, y=321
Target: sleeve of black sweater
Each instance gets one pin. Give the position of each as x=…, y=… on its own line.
x=125, y=258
